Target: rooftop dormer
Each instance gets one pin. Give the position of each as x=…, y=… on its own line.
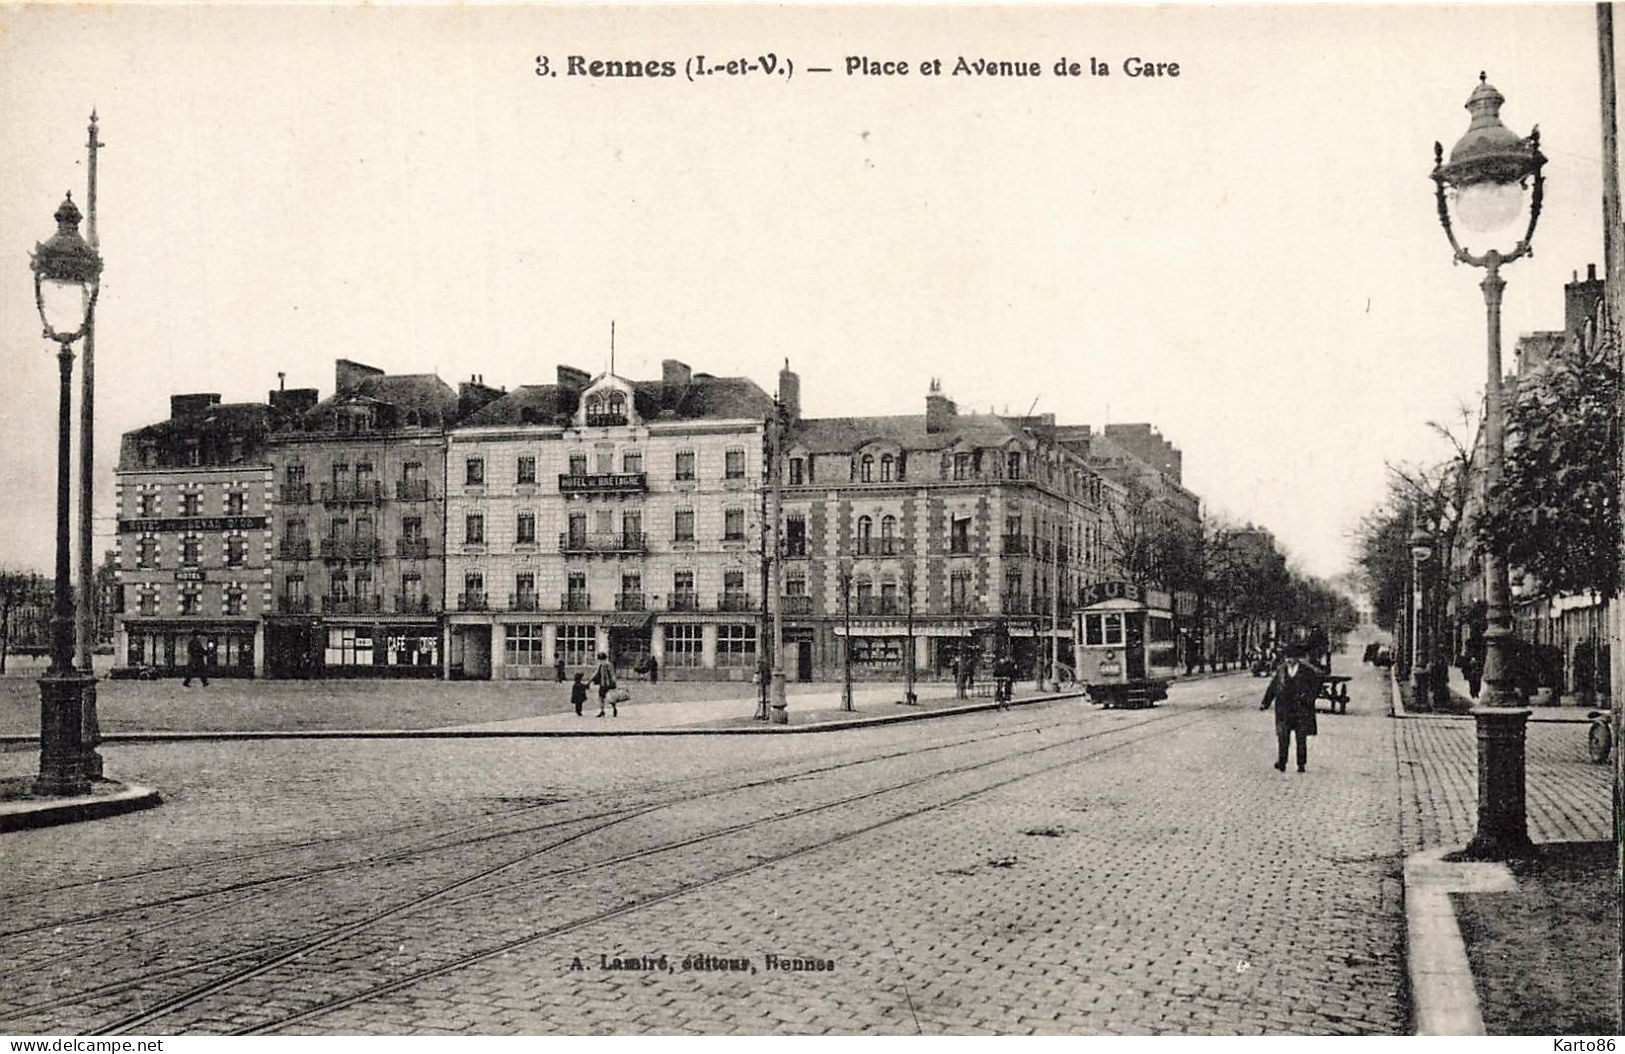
x=607, y=403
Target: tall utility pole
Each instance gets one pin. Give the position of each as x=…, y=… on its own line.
x=846, y=639
x=762, y=625
x=908, y=654
x=1055, y=612
x=87, y=479
x=1614, y=298
x=780, y=715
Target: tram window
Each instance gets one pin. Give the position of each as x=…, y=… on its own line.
x=1114, y=629
x=1091, y=630
x=1162, y=629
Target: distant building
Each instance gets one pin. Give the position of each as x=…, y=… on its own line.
x=192, y=555
x=602, y=514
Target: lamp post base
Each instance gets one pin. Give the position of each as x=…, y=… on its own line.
x=62, y=748
x=1503, y=829
x=780, y=714
x=91, y=732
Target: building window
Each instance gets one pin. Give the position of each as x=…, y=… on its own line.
x=733, y=464
x=411, y=598
x=866, y=469
x=632, y=462
x=524, y=589
x=888, y=536
x=962, y=466
x=887, y=464
x=145, y=504
x=192, y=504
x=685, y=465
x=146, y=601
x=1013, y=464
x=578, y=464
x=736, y=645
x=191, y=550
x=349, y=646
x=146, y=552
x=683, y=597
x=338, y=587
x=523, y=646
x=474, y=472
x=795, y=535
x=526, y=471
x=866, y=528
x=733, y=525
x=194, y=452
x=685, y=645
x=236, y=551
x=236, y=503
x=682, y=525
x=959, y=536
x=959, y=592
x=877, y=651
x=191, y=601
x=525, y=529
x=578, y=644
x=797, y=472
x=474, y=529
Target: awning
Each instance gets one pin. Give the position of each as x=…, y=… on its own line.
x=626, y=620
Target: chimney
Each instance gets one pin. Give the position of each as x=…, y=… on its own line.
x=939, y=409
x=348, y=375
x=790, y=392
x=473, y=394
x=293, y=400
x=1581, y=298
x=574, y=380
x=188, y=405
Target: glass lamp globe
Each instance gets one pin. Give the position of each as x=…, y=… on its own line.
x=1487, y=207
x=63, y=304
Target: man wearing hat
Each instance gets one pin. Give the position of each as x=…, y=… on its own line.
x=1293, y=690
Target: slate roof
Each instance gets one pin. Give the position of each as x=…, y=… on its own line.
x=221, y=418
x=704, y=397
x=835, y=435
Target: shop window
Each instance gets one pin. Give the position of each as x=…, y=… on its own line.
x=736, y=645
x=523, y=646
x=578, y=644
x=685, y=645
x=349, y=646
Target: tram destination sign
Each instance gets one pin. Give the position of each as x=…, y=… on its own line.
x=193, y=523
x=1100, y=592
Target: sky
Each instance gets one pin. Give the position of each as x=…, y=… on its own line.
x=1246, y=255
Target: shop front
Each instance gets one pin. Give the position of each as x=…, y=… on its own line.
x=231, y=648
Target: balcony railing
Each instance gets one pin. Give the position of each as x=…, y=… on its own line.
x=351, y=605
x=603, y=483
x=880, y=547
x=524, y=602
x=412, y=548
x=349, y=548
x=358, y=490
x=412, y=490
x=795, y=548
x=474, y=601
x=605, y=420
x=575, y=602
x=736, y=602
x=296, y=493
x=615, y=542
x=412, y=604
x=287, y=605
x=293, y=549
x=631, y=602
x=1016, y=545
x=964, y=606
x=961, y=547
x=683, y=602
x=796, y=604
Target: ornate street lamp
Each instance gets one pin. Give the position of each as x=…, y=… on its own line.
x=67, y=281
x=1484, y=184
x=1421, y=552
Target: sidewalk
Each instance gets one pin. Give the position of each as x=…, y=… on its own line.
x=1495, y=949
x=1565, y=712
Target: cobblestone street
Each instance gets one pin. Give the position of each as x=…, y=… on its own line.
x=1053, y=869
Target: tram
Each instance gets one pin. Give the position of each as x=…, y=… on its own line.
x=1124, y=636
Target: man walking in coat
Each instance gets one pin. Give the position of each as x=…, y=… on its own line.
x=1293, y=690
x=197, y=657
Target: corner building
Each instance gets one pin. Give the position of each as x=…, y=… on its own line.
x=602, y=514
x=193, y=546
x=929, y=535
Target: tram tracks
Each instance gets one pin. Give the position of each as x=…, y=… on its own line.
x=464, y=889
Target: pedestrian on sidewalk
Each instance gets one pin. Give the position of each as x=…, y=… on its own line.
x=578, y=694
x=1293, y=690
x=196, y=660
x=558, y=668
x=654, y=669
x=1004, y=675
x=605, y=679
